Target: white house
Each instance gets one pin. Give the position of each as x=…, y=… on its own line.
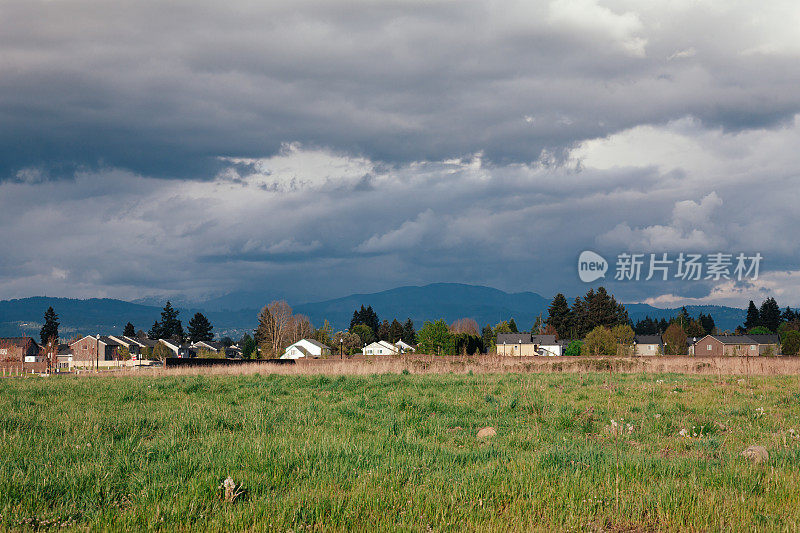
x=403, y=347
x=306, y=348
x=381, y=348
x=548, y=345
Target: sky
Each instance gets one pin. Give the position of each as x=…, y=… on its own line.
x=313, y=149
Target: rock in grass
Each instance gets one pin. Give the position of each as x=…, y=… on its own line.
x=757, y=454
x=485, y=433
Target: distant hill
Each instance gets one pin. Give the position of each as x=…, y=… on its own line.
x=449, y=301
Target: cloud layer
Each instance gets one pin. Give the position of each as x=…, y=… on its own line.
x=313, y=149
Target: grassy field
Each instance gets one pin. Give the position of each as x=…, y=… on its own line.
x=399, y=452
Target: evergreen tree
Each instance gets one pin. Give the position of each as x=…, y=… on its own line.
x=155, y=331
x=395, y=331
x=129, y=330
x=249, y=346
x=200, y=328
x=770, y=314
x=409, y=334
x=707, y=322
x=383, y=331
x=49, y=329
x=356, y=320
x=597, y=309
x=789, y=315
x=513, y=326
x=169, y=326
x=559, y=316
x=753, y=320
x=487, y=337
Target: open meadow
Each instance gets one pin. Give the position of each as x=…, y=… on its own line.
x=582, y=451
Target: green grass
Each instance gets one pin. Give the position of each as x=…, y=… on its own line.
x=398, y=452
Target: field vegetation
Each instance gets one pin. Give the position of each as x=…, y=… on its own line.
x=591, y=451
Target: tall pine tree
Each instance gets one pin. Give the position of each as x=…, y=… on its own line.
x=559, y=316
x=753, y=320
x=770, y=314
x=200, y=328
x=409, y=334
x=49, y=329
x=129, y=330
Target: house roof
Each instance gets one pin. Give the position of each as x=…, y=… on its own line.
x=143, y=341
x=108, y=341
x=216, y=345
x=544, y=339
x=317, y=343
x=765, y=339
x=300, y=348
x=734, y=339
x=22, y=342
x=648, y=339
x=514, y=338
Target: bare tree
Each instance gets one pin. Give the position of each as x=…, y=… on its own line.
x=465, y=325
x=275, y=325
x=301, y=328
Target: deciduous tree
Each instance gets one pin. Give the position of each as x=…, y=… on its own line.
x=274, y=328
x=435, y=338
x=675, y=340
x=465, y=325
x=599, y=341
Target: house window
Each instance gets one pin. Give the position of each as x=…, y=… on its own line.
x=708, y=347
x=752, y=348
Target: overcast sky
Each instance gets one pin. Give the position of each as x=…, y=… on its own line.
x=314, y=149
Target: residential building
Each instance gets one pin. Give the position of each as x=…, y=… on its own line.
x=726, y=346
x=548, y=345
x=94, y=350
x=648, y=345
x=516, y=345
x=306, y=348
x=404, y=347
x=381, y=348
x=22, y=349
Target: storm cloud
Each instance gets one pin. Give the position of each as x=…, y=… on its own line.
x=313, y=149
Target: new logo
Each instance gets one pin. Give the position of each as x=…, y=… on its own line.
x=591, y=266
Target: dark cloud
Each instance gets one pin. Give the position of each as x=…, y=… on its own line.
x=321, y=148
x=164, y=90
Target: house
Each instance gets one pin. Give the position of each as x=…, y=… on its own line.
x=548, y=345
x=133, y=346
x=22, y=349
x=648, y=345
x=726, y=346
x=64, y=356
x=209, y=346
x=233, y=352
x=381, y=348
x=516, y=345
x=767, y=344
x=184, y=351
x=306, y=348
x=403, y=347
x=94, y=350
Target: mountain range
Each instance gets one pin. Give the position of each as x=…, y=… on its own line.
x=449, y=301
